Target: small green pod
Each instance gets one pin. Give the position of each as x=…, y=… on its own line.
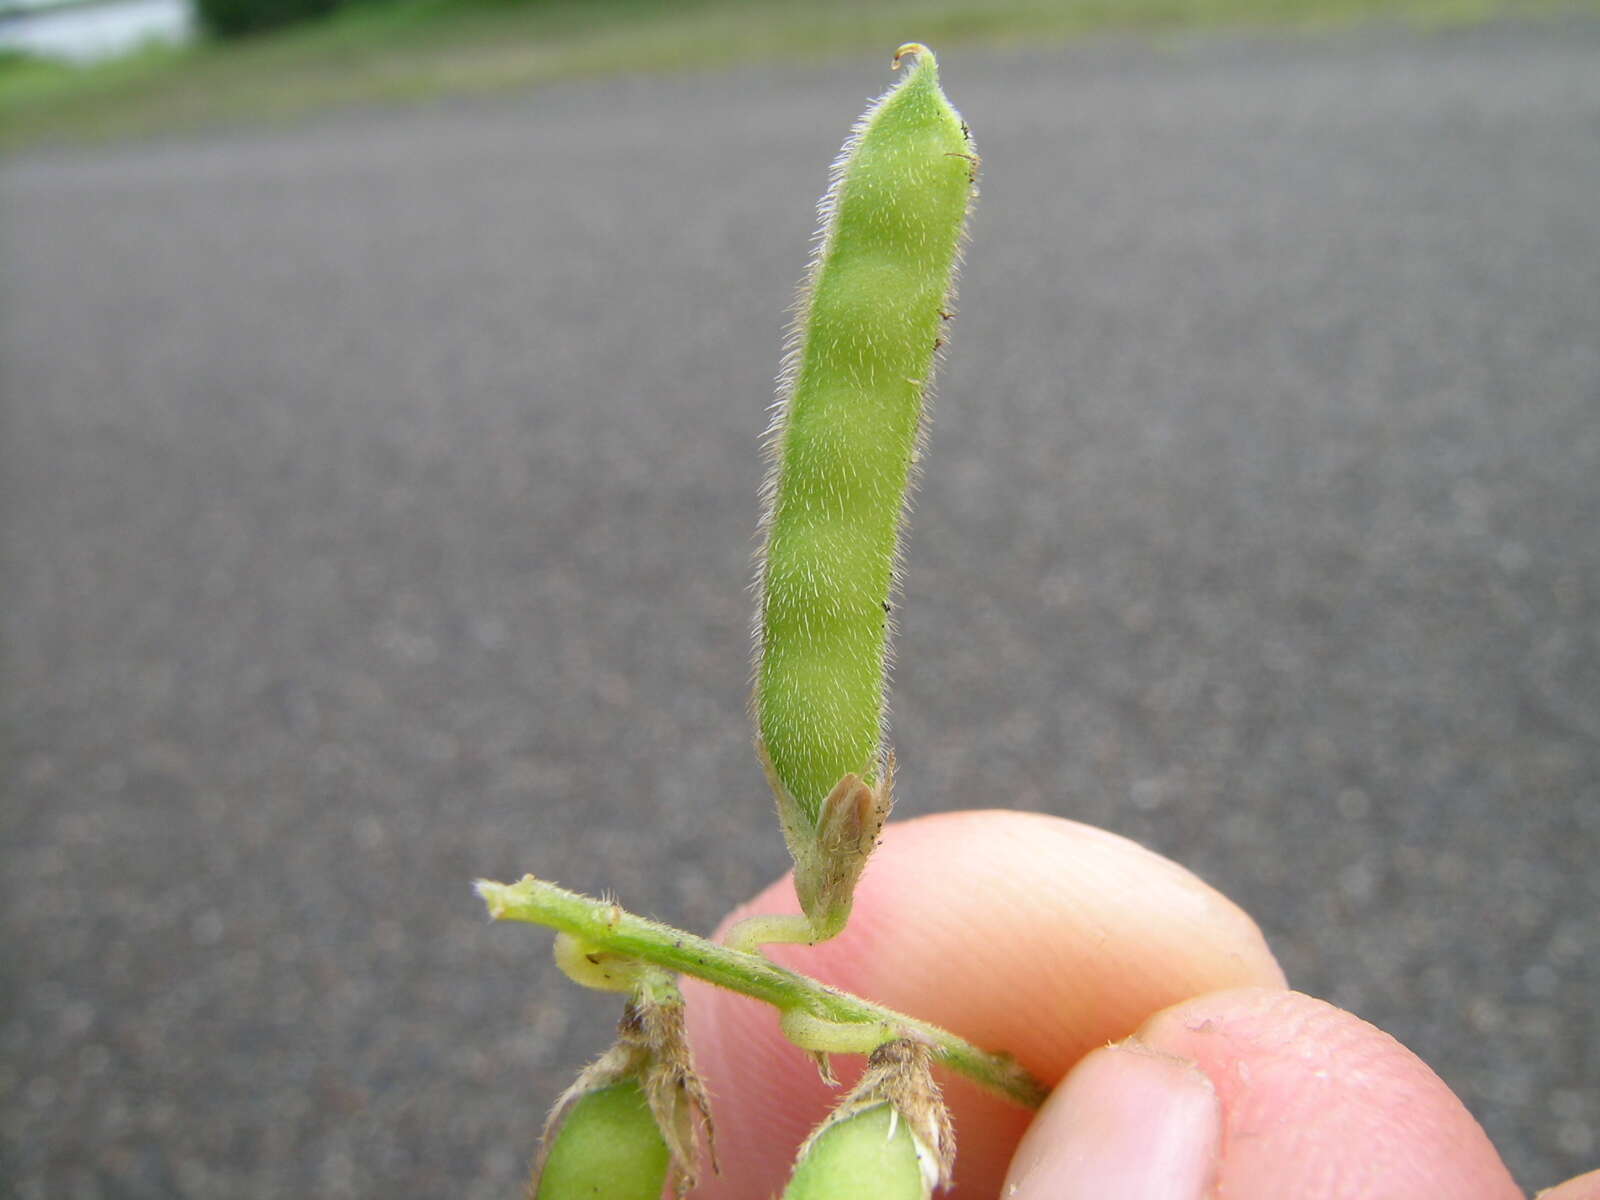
x=869, y=1156
x=626, y=1127
x=607, y=1147
x=889, y=1138
x=850, y=414
x=846, y=429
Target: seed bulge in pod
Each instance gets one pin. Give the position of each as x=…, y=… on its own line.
x=869, y=1156
x=607, y=1147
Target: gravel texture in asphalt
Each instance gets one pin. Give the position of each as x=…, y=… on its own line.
x=378, y=502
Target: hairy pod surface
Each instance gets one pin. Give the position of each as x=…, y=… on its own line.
x=869, y=1156
x=607, y=1147
x=869, y=320
x=890, y=1137
x=626, y=1126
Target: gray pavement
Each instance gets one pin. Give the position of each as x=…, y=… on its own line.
x=378, y=504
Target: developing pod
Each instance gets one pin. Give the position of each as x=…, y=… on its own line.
x=625, y=1129
x=870, y=318
x=606, y=1147
x=889, y=1139
x=870, y=1156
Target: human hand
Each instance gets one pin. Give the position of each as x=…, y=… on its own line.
x=1181, y=1066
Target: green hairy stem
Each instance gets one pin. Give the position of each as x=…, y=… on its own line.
x=823, y=1018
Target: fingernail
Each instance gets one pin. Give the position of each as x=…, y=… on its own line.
x=1127, y=1122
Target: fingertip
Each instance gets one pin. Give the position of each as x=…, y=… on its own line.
x=1320, y=1104
x=1128, y=1122
x=1584, y=1187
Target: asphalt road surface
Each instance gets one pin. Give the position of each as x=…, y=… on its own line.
x=378, y=506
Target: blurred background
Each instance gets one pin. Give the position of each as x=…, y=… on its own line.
x=380, y=391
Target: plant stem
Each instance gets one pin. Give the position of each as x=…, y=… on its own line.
x=609, y=927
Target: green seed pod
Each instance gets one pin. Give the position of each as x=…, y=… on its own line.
x=889, y=1139
x=607, y=1147
x=870, y=1156
x=844, y=437
x=626, y=1126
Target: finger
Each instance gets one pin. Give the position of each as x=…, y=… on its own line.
x=1019, y=931
x=1126, y=1122
x=1584, y=1187
x=1316, y=1104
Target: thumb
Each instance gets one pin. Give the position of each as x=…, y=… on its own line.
x=1584, y=1187
x=1252, y=1094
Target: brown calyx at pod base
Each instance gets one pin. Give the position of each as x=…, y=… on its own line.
x=829, y=858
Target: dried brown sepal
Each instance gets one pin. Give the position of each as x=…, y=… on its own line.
x=824, y=1066
x=900, y=1072
x=652, y=1048
x=675, y=1093
x=830, y=855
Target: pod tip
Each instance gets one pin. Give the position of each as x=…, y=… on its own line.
x=916, y=48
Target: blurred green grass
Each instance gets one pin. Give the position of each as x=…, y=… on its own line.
x=403, y=51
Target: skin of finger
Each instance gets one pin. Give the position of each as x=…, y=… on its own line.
x=1020, y=931
x=1320, y=1105
x=1584, y=1187
x=1126, y=1122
